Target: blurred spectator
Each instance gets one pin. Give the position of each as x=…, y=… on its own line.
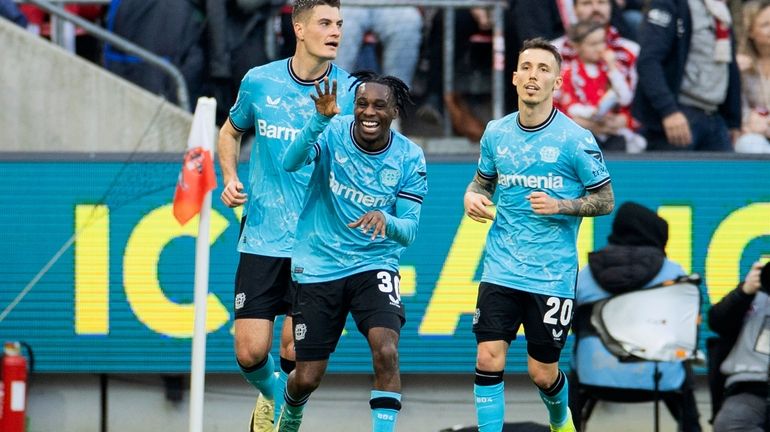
x=595, y=93
x=470, y=25
x=73, y=39
x=630, y=12
x=688, y=97
x=527, y=19
x=399, y=31
x=235, y=43
x=600, y=12
x=740, y=320
x=10, y=11
x=754, y=63
x=143, y=22
x=634, y=259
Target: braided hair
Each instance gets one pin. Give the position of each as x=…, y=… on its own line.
x=399, y=90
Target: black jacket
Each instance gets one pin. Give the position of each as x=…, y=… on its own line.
x=664, y=36
x=726, y=317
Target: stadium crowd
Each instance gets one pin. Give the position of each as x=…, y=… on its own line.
x=665, y=75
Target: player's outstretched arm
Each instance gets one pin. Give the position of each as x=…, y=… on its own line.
x=478, y=196
x=596, y=203
x=298, y=153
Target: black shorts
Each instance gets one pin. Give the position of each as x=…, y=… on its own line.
x=321, y=309
x=546, y=319
x=263, y=287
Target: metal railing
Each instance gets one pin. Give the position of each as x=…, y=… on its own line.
x=498, y=42
x=183, y=98
x=449, y=9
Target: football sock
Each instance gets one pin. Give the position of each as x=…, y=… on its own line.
x=280, y=384
x=489, y=392
x=293, y=407
x=261, y=376
x=556, y=400
x=385, y=407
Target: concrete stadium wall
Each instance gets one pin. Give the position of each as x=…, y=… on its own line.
x=54, y=101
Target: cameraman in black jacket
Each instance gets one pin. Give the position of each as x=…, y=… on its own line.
x=743, y=316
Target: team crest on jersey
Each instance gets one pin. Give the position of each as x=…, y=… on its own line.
x=549, y=154
x=300, y=330
x=390, y=177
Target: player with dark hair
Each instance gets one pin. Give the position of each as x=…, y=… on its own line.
x=362, y=211
x=541, y=164
x=274, y=99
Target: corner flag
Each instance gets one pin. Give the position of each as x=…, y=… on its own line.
x=197, y=176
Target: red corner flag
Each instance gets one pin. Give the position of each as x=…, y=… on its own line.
x=197, y=177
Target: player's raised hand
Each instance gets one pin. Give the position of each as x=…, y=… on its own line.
x=476, y=207
x=543, y=204
x=232, y=194
x=373, y=219
x=326, y=101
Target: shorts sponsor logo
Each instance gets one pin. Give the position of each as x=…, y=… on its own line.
x=240, y=300
x=300, y=330
x=476, y=316
x=557, y=334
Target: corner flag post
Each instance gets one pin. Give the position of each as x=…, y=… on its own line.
x=193, y=196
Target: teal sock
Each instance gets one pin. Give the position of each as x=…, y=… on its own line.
x=280, y=384
x=293, y=408
x=385, y=407
x=261, y=376
x=556, y=400
x=490, y=406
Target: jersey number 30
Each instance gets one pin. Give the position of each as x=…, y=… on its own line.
x=389, y=284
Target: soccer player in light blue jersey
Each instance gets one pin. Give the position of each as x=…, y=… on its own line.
x=362, y=210
x=548, y=172
x=274, y=99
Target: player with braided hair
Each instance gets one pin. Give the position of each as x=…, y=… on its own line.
x=362, y=209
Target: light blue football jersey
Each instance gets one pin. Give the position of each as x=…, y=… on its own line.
x=277, y=104
x=347, y=182
x=526, y=251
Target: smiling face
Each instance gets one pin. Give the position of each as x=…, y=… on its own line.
x=536, y=77
x=319, y=31
x=375, y=109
